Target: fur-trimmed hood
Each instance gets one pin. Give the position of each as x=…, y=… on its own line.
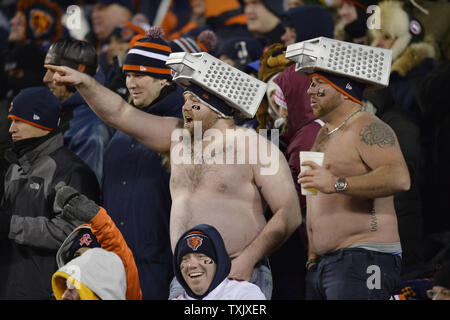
x=412, y=57
x=409, y=48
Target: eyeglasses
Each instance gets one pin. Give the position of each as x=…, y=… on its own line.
x=432, y=293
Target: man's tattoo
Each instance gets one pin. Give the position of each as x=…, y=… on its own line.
x=373, y=221
x=379, y=134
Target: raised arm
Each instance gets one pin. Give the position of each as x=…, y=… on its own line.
x=153, y=131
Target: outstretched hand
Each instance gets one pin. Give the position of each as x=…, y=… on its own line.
x=65, y=76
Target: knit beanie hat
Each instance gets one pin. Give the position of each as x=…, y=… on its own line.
x=274, y=6
x=309, y=22
x=76, y=54
x=216, y=104
x=196, y=242
x=358, y=28
x=83, y=239
x=242, y=50
x=149, y=55
x=36, y=106
x=350, y=88
x=43, y=19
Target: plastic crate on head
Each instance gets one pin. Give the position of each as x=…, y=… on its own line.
x=239, y=90
x=361, y=63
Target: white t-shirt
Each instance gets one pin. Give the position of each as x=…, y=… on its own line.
x=230, y=290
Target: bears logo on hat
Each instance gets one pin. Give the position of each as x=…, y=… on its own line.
x=194, y=242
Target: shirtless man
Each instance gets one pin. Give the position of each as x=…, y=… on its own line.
x=354, y=251
x=226, y=196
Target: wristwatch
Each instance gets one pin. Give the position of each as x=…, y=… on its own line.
x=340, y=185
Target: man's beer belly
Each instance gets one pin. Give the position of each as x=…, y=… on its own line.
x=223, y=196
x=338, y=221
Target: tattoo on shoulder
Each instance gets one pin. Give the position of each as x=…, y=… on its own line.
x=379, y=134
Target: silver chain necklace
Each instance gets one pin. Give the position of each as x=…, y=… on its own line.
x=343, y=122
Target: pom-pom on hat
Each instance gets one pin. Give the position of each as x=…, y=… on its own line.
x=206, y=41
x=149, y=55
x=36, y=106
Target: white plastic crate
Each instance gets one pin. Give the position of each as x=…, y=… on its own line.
x=239, y=90
x=362, y=63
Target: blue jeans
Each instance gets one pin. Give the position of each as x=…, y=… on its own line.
x=353, y=274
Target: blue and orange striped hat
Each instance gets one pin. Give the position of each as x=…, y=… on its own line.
x=149, y=55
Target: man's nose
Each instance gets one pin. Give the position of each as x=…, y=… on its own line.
x=12, y=127
x=48, y=77
x=310, y=91
x=187, y=106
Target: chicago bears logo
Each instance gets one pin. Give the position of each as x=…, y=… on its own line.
x=194, y=242
x=85, y=240
x=40, y=22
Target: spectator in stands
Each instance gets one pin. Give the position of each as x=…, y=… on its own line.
x=263, y=19
x=84, y=133
x=31, y=229
x=412, y=54
x=201, y=265
x=351, y=223
x=240, y=51
x=38, y=22
x=412, y=60
x=354, y=17
x=130, y=168
x=99, y=232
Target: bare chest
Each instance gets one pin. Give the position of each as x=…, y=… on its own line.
x=221, y=178
x=341, y=155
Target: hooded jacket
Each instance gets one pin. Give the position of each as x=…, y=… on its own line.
x=112, y=240
x=221, y=288
x=309, y=21
x=131, y=168
x=97, y=274
x=303, y=125
x=412, y=56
